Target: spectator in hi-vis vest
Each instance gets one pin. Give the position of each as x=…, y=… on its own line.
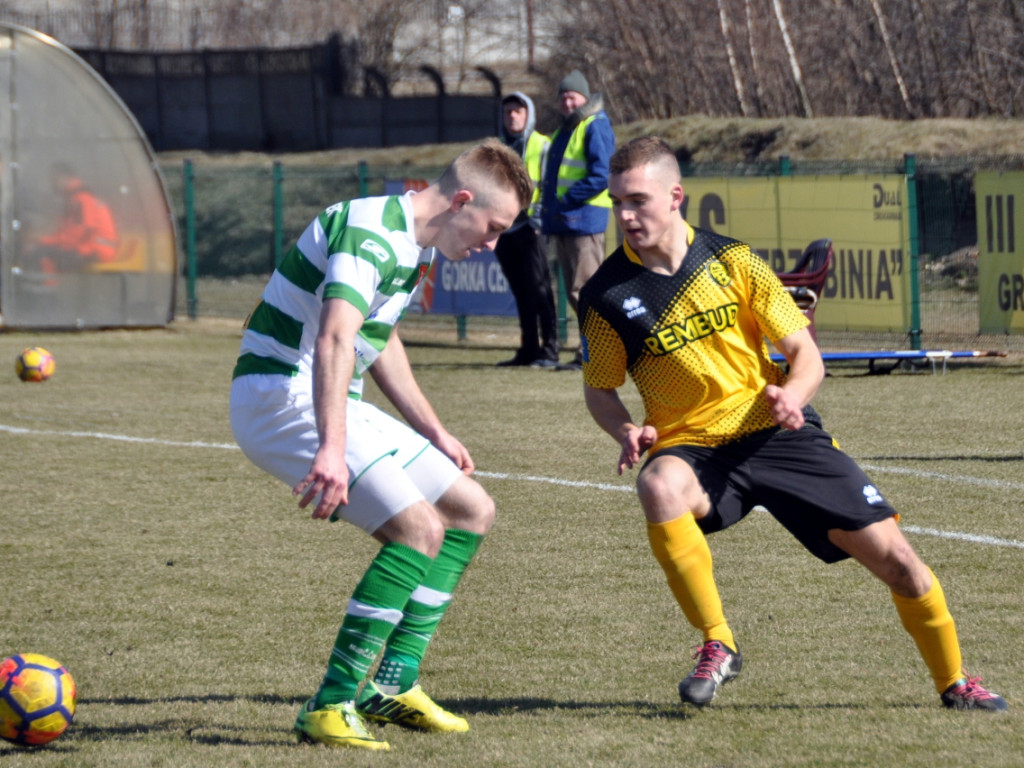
x=85, y=233
x=521, y=249
x=574, y=190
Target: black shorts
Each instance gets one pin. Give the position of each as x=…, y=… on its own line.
x=802, y=478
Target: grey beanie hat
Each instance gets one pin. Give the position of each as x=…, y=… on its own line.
x=575, y=81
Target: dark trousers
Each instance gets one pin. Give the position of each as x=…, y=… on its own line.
x=525, y=264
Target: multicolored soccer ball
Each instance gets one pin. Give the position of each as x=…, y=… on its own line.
x=37, y=699
x=35, y=364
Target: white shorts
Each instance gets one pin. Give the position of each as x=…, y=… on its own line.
x=391, y=466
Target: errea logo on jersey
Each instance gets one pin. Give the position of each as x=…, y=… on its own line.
x=872, y=495
x=633, y=307
x=383, y=254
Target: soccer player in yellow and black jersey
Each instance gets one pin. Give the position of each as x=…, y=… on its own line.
x=685, y=312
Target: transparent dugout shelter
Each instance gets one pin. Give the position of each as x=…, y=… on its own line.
x=72, y=155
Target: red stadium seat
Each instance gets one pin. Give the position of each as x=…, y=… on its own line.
x=806, y=281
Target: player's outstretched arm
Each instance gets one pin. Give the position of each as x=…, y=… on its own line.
x=806, y=372
x=613, y=417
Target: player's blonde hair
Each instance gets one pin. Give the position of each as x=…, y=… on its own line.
x=645, y=150
x=485, y=166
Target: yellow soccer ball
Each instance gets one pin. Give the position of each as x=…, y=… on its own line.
x=37, y=699
x=35, y=364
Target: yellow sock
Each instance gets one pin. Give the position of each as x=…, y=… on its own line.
x=929, y=622
x=679, y=545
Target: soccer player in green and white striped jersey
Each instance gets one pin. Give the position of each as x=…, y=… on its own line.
x=327, y=317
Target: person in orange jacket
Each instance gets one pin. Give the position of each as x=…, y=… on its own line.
x=86, y=233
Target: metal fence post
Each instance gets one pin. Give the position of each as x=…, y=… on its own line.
x=563, y=305
x=910, y=163
x=364, y=172
x=190, y=239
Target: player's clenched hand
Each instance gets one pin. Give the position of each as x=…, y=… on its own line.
x=635, y=444
x=786, y=410
x=456, y=451
x=327, y=476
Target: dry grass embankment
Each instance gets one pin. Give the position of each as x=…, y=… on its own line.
x=725, y=139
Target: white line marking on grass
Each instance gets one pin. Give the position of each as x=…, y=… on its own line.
x=964, y=537
x=118, y=438
x=956, y=535
x=556, y=481
x=965, y=479
x=970, y=537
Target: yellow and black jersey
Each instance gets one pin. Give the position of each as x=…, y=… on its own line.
x=692, y=342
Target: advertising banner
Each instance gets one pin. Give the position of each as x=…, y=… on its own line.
x=865, y=216
x=474, y=286
x=1000, y=254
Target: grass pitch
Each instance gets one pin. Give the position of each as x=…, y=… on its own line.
x=195, y=605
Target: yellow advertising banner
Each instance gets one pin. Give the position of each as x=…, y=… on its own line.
x=865, y=216
x=999, y=198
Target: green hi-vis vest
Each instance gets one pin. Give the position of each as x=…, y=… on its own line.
x=574, y=166
x=535, y=157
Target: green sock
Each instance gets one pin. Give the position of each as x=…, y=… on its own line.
x=400, y=667
x=374, y=611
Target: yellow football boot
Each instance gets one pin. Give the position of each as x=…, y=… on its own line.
x=412, y=709
x=336, y=725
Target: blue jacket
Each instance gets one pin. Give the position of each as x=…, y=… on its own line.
x=571, y=214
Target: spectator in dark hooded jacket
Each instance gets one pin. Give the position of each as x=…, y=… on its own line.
x=521, y=249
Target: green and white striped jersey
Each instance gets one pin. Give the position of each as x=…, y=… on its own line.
x=362, y=251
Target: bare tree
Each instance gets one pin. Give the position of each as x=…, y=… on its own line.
x=755, y=65
x=651, y=58
x=927, y=56
x=794, y=62
x=377, y=33
x=893, y=63
x=737, y=79
x=471, y=15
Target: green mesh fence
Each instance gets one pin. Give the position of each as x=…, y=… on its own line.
x=245, y=215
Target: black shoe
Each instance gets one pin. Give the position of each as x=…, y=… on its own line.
x=967, y=693
x=576, y=364
x=546, y=363
x=516, y=361
x=717, y=664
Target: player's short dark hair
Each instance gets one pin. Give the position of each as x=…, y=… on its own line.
x=485, y=166
x=640, y=151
